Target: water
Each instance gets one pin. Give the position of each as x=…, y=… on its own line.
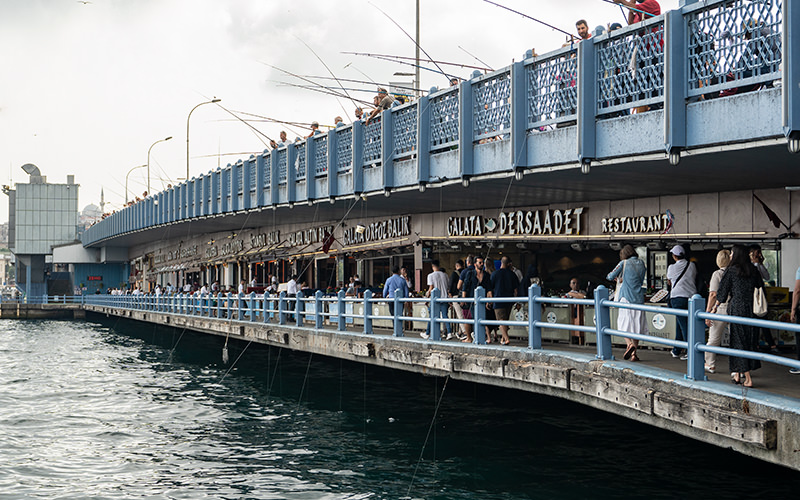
x=112, y=411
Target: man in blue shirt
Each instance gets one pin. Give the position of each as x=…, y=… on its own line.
x=395, y=283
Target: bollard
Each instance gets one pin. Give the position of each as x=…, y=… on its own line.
x=368, y=312
x=695, y=335
x=281, y=308
x=435, y=333
x=397, y=306
x=534, y=317
x=479, y=315
x=318, y=310
x=340, y=310
x=602, y=321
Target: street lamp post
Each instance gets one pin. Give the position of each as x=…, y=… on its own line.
x=126, y=180
x=212, y=101
x=148, y=161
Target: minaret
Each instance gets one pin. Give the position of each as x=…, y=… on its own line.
x=102, y=201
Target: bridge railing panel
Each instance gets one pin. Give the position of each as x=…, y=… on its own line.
x=733, y=46
x=551, y=88
x=300, y=160
x=444, y=120
x=491, y=105
x=321, y=155
x=283, y=159
x=344, y=148
x=630, y=68
x=373, y=150
x=404, y=130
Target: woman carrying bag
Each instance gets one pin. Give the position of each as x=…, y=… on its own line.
x=630, y=272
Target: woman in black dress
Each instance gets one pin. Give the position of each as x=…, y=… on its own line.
x=737, y=286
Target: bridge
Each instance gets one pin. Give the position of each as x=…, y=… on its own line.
x=714, y=86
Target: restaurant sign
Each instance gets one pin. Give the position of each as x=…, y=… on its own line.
x=520, y=222
x=641, y=224
x=377, y=231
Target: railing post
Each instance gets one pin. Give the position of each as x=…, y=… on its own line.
x=368, y=312
x=44, y=299
x=387, y=148
x=281, y=308
x=267, y=302
x=318, y=310
x=675, y=55
x=358, y=156
x=397, y=307
x=423, y=140
x=695, y=335
x=519, y=117
x=534, y=317
x=239, y=306
x=251, y=306
x=790, y=74
x=340, y=310
x=465, y=130
x=298, y=309
x=587, y=103
x=228, y=313
x=434, y=327
x=479, y=315
x=602, y=320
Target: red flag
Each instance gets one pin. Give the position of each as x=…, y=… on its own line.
x=328, y=241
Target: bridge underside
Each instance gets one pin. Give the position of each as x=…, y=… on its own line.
x=714, y=169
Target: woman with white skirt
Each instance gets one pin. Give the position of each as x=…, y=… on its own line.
x=629, y=274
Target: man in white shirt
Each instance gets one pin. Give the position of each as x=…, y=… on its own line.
x=241, y=287
x=682, y=276
x=291, y=287
x=440, y=280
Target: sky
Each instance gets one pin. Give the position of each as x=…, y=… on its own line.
x=89, y=87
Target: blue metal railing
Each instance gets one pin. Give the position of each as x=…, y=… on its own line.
x=705, y=49
x=340, y=310
x=300, y=161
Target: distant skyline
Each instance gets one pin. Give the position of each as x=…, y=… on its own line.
x=89, y=87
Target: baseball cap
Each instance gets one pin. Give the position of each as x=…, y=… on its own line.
x=677, y=250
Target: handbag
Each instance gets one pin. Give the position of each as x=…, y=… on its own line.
x=759, y=302
x=617, y=290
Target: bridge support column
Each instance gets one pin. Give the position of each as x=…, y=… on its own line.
x=423, y=141
x=602, y=321
x=387, y=155
x=465, y=132
x=358, y=156
x=519, y=118
x=587, y=105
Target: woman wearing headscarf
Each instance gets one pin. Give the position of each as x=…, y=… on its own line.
x=630, y=274
x=715, y=328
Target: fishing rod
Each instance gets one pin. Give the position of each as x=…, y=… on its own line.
x=531, y=18
x=371, y=82
x=351, y=89
x=252, y=128
x=329, y=71
x=275, y=120
x=412, y=64
x=365, y=75
x=631, y=8
x=475, y=57
x=414, y=59
x=411, y=38
x=323, y=90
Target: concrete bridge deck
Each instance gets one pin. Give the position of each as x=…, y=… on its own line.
x=763, y=422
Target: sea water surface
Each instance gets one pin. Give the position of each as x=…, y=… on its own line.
x=123, y=410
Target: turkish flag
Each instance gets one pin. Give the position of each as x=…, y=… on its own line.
x=328, y=241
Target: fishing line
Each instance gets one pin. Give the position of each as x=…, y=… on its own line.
x=303, y=387
x=427, y=436
x=475, y=57
x=255, y=131
x=329, y=71
x=234, y=363
x=175, y=345
x=275, y=371
x=410, y=38
x=622, y=7
x=323, y=90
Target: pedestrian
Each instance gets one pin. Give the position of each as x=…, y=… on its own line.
x=736, y=287
x=473, y=278
x=395, y=284
x=491, y=330
x=454, y=292
x=408, y=307
x=504, y=283
x=576, y=311
x=466, y=307
x=715, y=328
x=439, y=280
x=682, y=276
x=630, y=273
x=757, y=258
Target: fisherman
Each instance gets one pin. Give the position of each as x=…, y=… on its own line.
x=382, y=101
x=640, y=10
x=284, y=141
x=314, y=130
x=359, y=113
x=338, y=122
x=583, y=29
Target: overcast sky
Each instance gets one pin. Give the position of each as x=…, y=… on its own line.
x=87, y=88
